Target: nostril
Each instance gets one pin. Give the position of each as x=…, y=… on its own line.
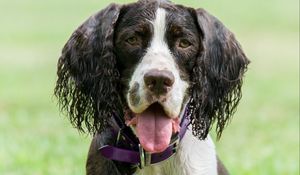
x=167, y=78
x=159, y=81
x=169, y=81
x=149, y=80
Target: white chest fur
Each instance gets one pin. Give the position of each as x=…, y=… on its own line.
x=194, y=157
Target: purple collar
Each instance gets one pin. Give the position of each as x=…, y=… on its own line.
x=139, y=156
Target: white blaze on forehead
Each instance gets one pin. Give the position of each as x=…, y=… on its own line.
x=159, y=24
x=158, y=55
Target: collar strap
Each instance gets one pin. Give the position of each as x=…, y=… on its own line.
x=142, y=158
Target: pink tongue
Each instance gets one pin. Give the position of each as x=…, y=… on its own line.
x=154, y=129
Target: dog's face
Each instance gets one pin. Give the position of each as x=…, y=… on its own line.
x=152, y=58
x=155, y=54
x=156, y=48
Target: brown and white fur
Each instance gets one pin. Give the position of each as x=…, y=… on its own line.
x=105, y=67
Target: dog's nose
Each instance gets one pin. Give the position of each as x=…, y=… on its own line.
x=159, y=81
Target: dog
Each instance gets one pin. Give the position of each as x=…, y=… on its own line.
x=148, y=80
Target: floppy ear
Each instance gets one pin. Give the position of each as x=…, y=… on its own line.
x=217, y=76
x=88, y=80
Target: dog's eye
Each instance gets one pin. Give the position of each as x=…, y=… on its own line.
x=184, y=43
x=132, y=40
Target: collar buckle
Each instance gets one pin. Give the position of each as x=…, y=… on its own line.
x=142, y=157
x=146, y=157
x=175, y=144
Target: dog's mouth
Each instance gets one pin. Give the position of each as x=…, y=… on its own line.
x=154, y=128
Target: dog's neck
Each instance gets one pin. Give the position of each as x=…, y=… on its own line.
x=194, y=156
x=128, y=145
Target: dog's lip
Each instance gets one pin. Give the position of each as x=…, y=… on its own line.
x=166, y=110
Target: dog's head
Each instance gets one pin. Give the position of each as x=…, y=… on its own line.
x=151, y=58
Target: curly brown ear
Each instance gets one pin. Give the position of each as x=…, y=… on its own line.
x=217, y=76
x=87, y=74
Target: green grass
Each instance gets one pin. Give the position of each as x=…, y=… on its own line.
x=263, y=137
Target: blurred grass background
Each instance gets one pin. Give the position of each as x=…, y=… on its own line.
x=263, y=137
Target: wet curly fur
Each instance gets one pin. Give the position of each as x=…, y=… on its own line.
x=88, y=85
x=216, y=77
x=88, y=79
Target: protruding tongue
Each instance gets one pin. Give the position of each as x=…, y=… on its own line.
x=154, y=129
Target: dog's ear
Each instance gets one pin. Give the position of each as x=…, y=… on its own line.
x=88, y=80
x=217, y=76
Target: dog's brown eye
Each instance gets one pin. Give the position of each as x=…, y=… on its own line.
x=132, y=40
x=183, y=43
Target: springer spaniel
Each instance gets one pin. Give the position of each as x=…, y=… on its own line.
x=148, y=80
